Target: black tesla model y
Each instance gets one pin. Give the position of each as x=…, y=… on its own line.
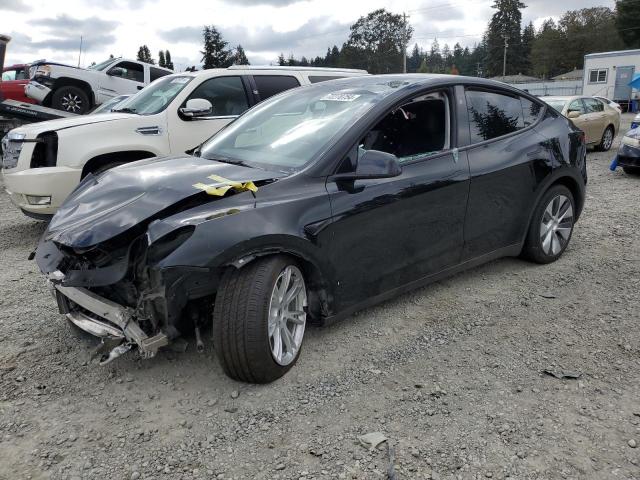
x=315, y=203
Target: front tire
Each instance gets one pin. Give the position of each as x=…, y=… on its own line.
x=607, y=139
x=551, y=226
x=71, y=99
x=259, y=319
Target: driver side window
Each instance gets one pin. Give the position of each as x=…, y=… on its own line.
x=226, y=94
x=130, y=71
x=417, y=129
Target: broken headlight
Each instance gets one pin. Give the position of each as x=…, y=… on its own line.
x=11, y=148
x=162, y=247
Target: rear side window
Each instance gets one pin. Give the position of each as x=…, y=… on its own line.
x=593, y=105
x=269, y=85
x=493, y=115
x=322, y=78
x=157, y=73
x=576, y=106
x=226, y=94
x=530, y=110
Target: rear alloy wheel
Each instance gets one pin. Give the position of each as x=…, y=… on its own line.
x=607, y=140
x=259, y=319
x=70, y=99
x=551, y=226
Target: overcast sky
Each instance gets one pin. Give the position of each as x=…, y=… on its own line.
x=263, y=27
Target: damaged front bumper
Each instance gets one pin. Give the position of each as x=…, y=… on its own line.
x=104, y=318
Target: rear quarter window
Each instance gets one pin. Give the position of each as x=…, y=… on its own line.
x=157, y=73
x=270, y=85
x=530, y=111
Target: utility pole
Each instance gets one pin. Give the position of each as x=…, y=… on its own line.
x=80, y=52
x=404, y=43
x=504, y=58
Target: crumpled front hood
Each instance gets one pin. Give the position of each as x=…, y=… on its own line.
x=109, y=204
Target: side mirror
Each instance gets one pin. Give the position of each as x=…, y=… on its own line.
x=116, y=72
x=373, y=164
x=574, y=114
x=197, y=107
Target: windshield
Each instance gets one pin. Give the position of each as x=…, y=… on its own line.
x=102, y=65
x=110, y=104
x=556, y=104
x=288, y=131
x=154, y=98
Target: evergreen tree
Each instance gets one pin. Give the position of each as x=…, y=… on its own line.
x=161, y=61
x=434, y=60
x=215, y=53
x=528, y=37
x=628, y=21
x=423, y=68
x=239, y=57
x=144, y=55
x=167, y=60
x=505, y=24
x=415, y=59
x=546, y=52
x=281, y=61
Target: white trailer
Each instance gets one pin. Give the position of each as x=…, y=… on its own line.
x=607, y=74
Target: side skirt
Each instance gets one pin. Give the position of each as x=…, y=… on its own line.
x=510, y=251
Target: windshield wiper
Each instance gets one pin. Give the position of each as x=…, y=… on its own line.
x=231, y=161
x=124, y=110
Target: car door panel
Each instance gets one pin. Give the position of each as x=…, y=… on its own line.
x=390, y=232
x=504, y=174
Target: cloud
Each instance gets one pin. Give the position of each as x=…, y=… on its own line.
x=15, y=6
x=272, y=3
x=23, y=43
x=119, y=5
x=80, y=26
x=310, y=39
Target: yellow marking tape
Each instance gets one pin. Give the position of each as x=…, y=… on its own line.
x=222, y=186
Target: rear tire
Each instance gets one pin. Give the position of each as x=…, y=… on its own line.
x=251, y=314
x=551, y=226
x=71, y=99
x=631, y=170
x=607, y=139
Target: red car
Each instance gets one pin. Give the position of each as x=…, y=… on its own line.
x=14, y=79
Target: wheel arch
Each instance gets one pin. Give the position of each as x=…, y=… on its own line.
x=73, y=82
x=573, y=186
x=125, y=156
x=316, y=276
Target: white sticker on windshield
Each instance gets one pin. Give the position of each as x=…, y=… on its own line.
x=340, y=97
x=180, y=80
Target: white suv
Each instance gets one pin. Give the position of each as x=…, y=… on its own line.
x=78, y=90
x=43, y=162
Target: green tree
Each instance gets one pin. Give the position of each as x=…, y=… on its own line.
x=167, y=60
x=588, y=30
x=239, y=57
x=423, y=68
x=628, y=22
x=215, y=53
x=505, y=24
x=415, y=59
x=547, y=55
x=379, y=38
x=528, y=37
x=281, y=60
x=144, y=55
x=434, y=59
x=161, y=60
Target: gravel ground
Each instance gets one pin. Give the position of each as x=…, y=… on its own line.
x=451, y=374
